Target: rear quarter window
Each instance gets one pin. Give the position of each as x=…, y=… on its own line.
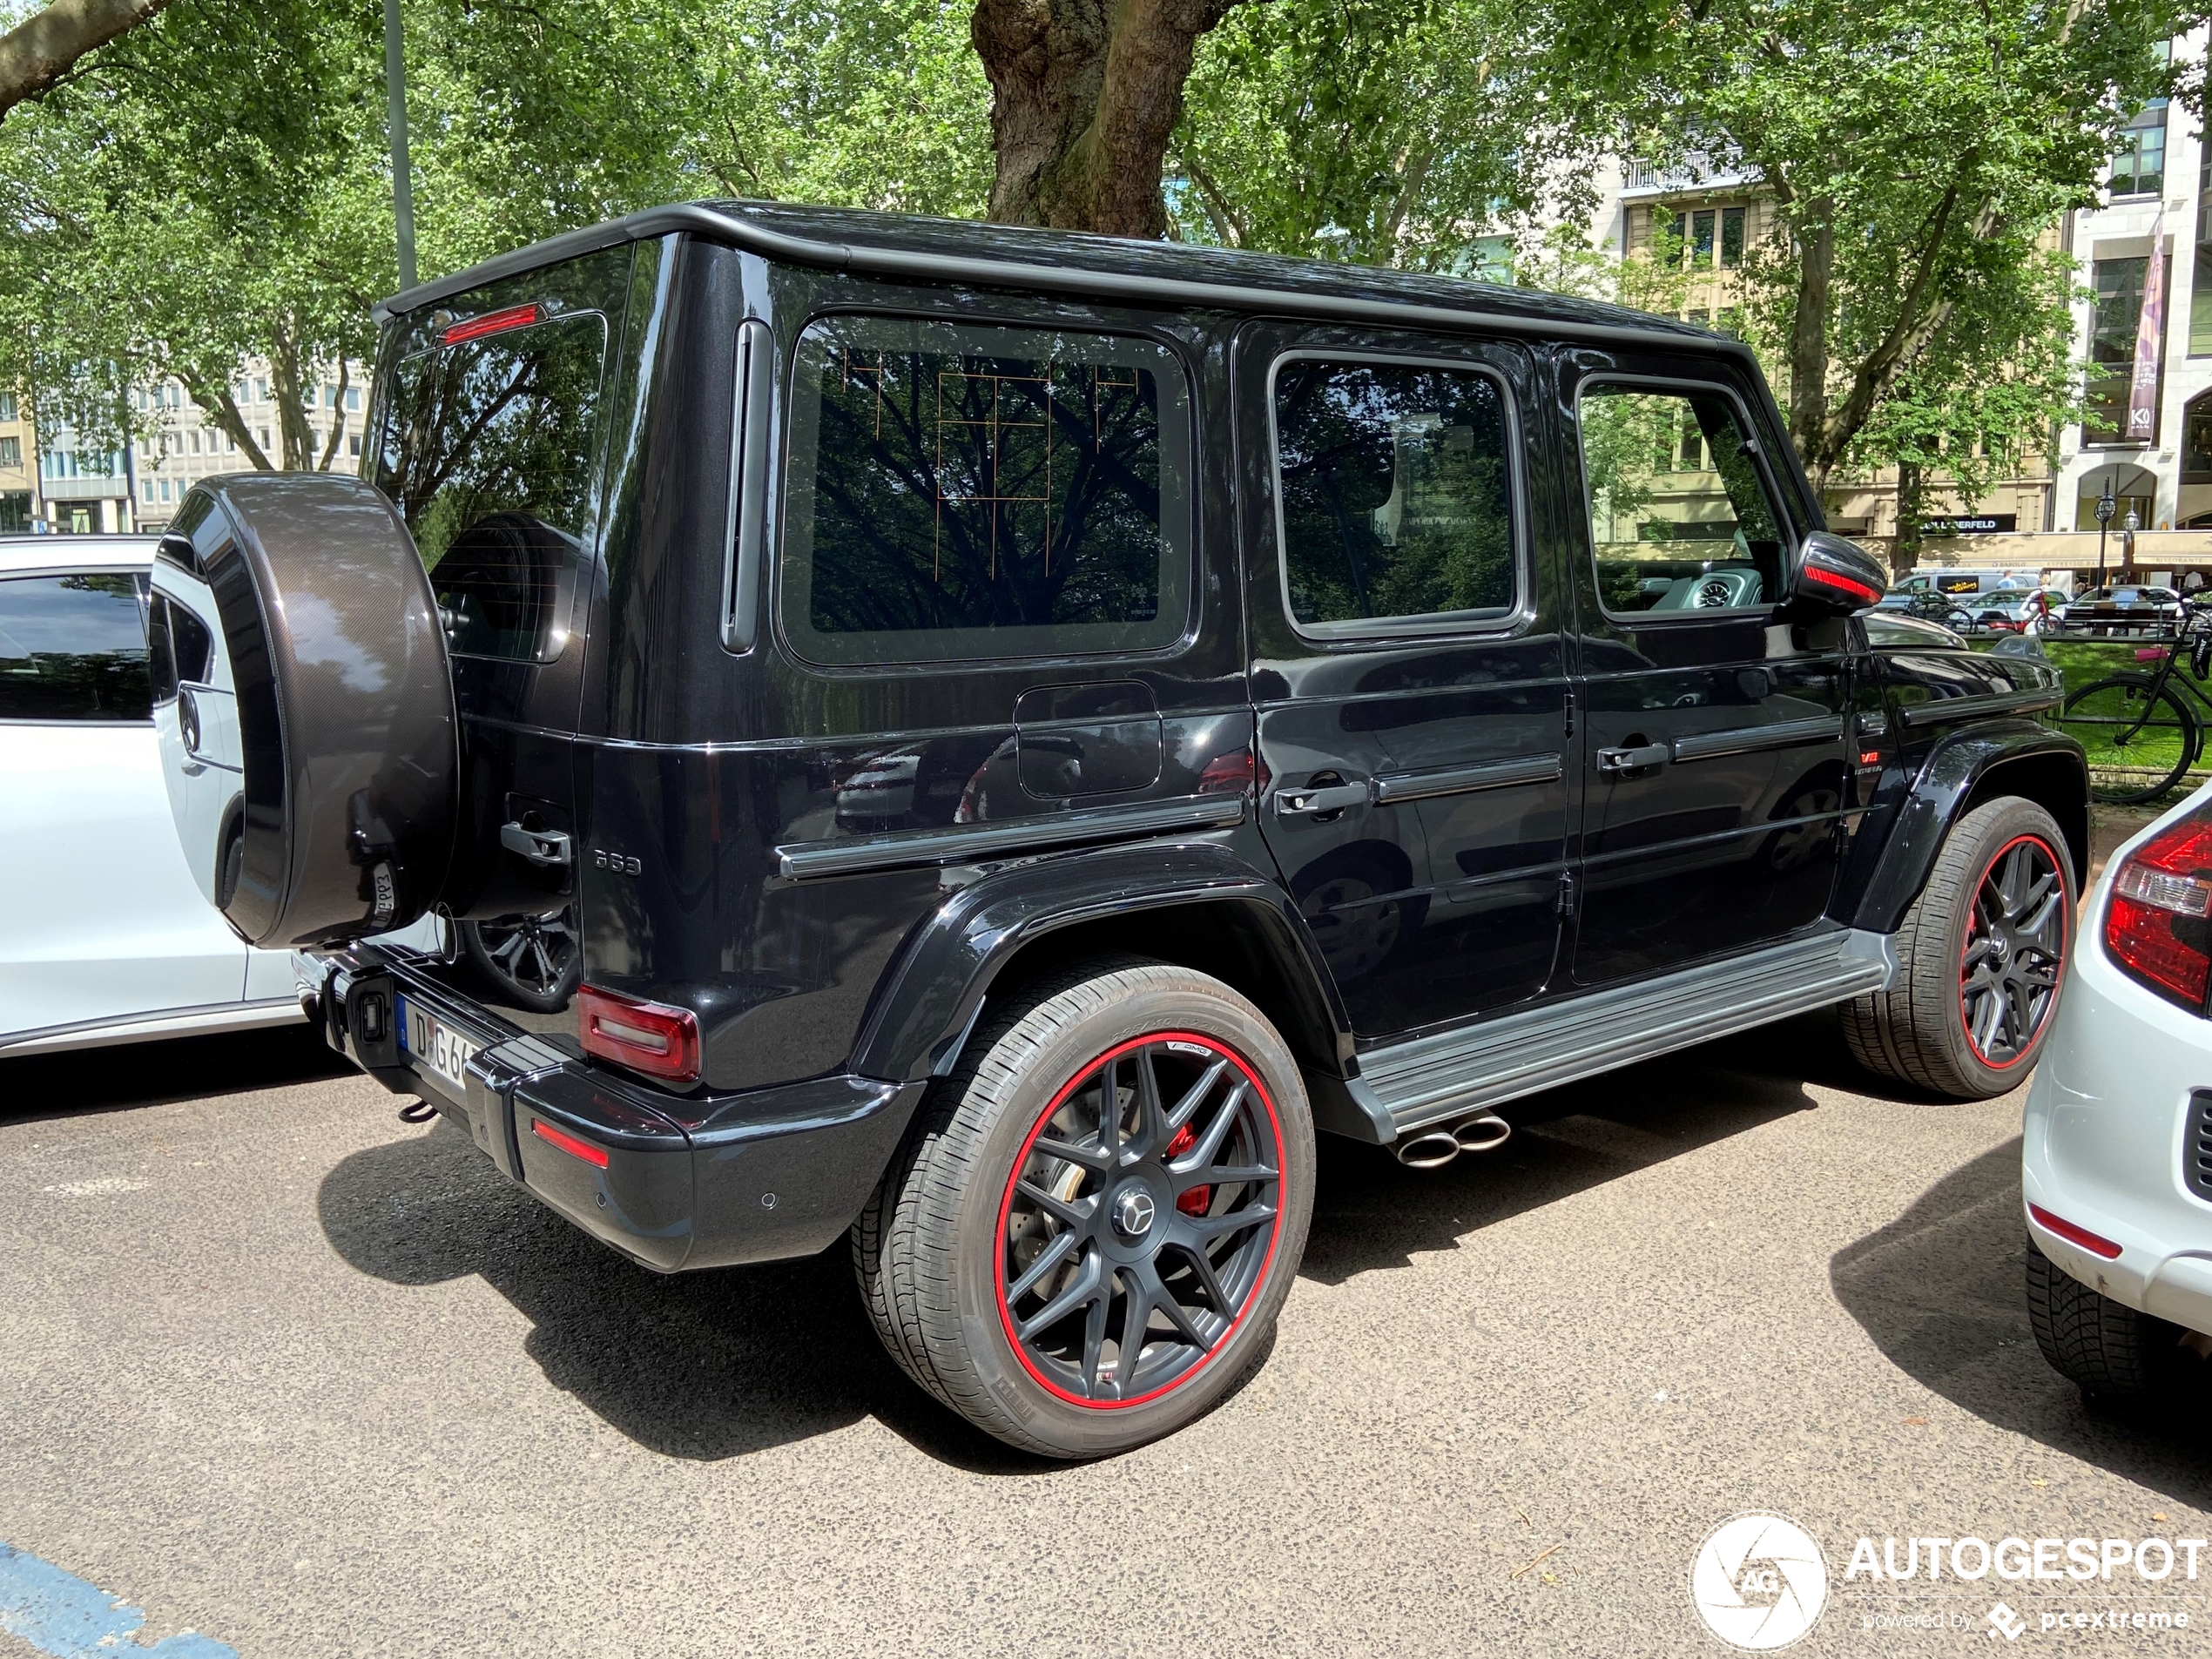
x=73, y=647
x=487, y=446
x=960, y=492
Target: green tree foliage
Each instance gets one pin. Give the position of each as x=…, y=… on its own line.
x=215, y=185
x=1920, y=152
x=1394, y=133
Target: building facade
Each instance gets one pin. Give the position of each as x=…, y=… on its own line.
x=18, y=468
x=187, y=445
x=1719, y=213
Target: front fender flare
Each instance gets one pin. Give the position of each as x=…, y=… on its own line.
x=933, y=991
x=1892, y=879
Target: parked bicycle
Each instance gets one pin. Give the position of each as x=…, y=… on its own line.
x=2143, y=730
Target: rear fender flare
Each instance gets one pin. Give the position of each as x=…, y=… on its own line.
x=1952, y=776
x=931, y=993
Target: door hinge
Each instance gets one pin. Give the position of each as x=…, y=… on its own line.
x=1566, y=893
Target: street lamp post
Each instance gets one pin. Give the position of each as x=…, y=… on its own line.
x=395, y=118
x=2106, y=505
x=2128, y=526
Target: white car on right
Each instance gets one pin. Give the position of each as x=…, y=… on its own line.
x=2116, y=1157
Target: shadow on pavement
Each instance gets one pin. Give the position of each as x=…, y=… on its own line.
x=708, y=1365
x=719, y=1364
x=1371, y=1211
x=1940, y=1289
x=148, y=1074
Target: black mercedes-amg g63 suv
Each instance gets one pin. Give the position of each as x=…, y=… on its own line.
x=984, y=741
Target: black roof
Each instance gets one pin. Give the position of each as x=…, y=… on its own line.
x=1103, y=267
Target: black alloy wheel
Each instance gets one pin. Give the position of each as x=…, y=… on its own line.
x=1139, y=1219
x=2016, y=941
x=534, y=961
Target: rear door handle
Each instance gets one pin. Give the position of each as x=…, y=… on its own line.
x=546, y=848
x=1330, y=797
x=1612, y=762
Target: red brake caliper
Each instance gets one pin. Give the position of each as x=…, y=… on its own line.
x=1193, y=1203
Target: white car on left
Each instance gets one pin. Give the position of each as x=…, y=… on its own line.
x=105, y=936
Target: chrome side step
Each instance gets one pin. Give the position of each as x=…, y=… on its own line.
x=1411, y=1085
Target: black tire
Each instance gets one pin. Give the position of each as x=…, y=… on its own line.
x=2130, y=720
x=1995, y=921
x=2106, y=1348
x=534, y=962
x=960, y=1209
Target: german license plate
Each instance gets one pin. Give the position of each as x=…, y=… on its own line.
x=438, y=1046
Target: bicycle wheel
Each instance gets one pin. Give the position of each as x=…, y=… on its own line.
x=2139, y=736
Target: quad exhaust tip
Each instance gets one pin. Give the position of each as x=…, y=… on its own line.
x=1434, y=1149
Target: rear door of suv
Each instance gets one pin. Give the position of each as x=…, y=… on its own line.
x=1407, y=664
x=490, y=436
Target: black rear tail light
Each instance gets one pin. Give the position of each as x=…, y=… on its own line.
x=2158, y=928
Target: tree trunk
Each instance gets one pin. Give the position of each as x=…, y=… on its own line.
x=295, y=437
x=1084, y=94
x=45, y=46
x=220, y=407
x=1910, y=487
x=1808, y=340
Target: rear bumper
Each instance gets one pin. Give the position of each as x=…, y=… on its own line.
x=675, y=1182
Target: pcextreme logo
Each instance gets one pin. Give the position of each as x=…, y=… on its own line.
x=1759, y=1581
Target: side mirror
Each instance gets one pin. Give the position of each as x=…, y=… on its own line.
x=1834, y=578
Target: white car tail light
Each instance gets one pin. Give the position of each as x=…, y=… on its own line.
x=2158, y=928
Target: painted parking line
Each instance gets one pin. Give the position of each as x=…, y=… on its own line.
x=61, y=1615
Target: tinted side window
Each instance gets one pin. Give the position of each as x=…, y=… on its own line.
x=74, y=648
x=486, y=448
x=1679, y=517
x=1396, y=484
x=968, y=492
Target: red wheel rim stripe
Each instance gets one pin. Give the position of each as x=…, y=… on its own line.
x=1213, y=1045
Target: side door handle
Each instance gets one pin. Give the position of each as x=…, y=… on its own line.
x=1330, y=798
x=547, y=847
x=1611, y=763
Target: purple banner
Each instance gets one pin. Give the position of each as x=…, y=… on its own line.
x=2150, y=334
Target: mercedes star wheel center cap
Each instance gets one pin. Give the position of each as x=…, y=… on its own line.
x=1133, y=1213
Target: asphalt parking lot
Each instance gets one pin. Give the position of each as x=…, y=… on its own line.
x=280, y=1369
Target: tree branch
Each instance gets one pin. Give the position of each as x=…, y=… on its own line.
x=1911, y=331
x=337, y=418
x=38, y=51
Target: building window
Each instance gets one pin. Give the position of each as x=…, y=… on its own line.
x=192, y=440
x=7, y=405
x=265, y=440
x=1731, y=322
x=2139, y=164
x=146, y=490
x=354, y=444
x=353, y=399
x=1732, y=236
x=2119, y=284
x=10, y=452
x=1701, y=237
